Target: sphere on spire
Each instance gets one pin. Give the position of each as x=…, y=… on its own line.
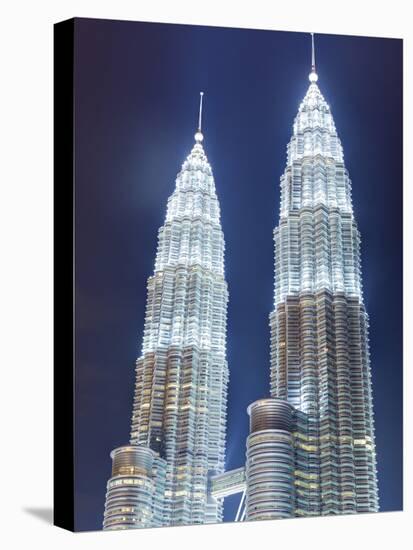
x=313, y=76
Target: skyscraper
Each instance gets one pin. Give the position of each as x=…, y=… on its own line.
x=311, y=448
x=319, y=325
x=179, y=411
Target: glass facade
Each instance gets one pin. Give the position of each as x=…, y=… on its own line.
x=270, y=461
x=319, y=326
x=311, y=447
x=135, y=492
x=180, y=398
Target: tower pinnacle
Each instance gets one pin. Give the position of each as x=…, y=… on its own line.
x=313, y=76
x=184, y=345
x=199, y=136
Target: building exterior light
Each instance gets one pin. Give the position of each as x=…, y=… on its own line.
x=319, y=326
x=311, y=445
x=179, y=410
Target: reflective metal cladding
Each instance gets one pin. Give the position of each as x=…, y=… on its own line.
x=320, y=362
x=179, y=411
x=311, y=448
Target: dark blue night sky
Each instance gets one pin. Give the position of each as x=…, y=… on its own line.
x=136, y=101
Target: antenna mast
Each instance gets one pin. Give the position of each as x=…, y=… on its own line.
x=199, y=136
x=313, y=76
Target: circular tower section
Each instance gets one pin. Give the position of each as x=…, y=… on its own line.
x=135, y=490
x=270, y=461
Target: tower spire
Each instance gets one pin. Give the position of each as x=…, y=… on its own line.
x=199, y=136
x=201, y=95
x=313, y=76
x=312, y=53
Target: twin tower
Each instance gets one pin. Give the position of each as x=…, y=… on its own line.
x=311, y=447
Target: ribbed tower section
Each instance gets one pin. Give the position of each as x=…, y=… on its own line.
x=182, y=374
x=319, y=326
x=269, y=468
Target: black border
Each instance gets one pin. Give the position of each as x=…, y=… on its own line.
x=63, y=492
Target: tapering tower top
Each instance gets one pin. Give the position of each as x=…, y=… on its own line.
x=313, y=76
x=199, y=136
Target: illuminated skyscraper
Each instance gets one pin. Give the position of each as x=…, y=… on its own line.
x=179, y=411
x=311, y=448
x=319, y=326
